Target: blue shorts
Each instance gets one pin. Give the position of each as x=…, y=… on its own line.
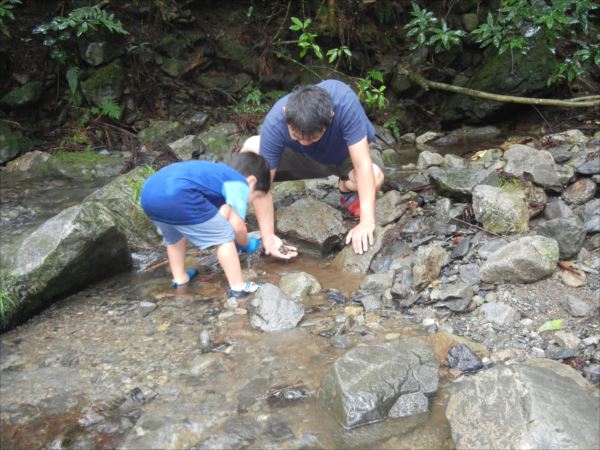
x=215, y=231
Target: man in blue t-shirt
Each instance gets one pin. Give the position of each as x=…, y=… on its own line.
x=205, y=203
x=316, y=131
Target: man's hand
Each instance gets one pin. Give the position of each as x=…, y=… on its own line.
x=275, y=247
x=361, y=236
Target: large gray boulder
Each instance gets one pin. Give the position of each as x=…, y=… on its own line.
x=500, y=211
x=370, y=383
x=539, y=404
x=75, y=248
x=526, y=260
x=312, y=224
x=522, y=160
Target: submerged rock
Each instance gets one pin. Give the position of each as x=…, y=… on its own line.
x=272, y=310
x=371, y=382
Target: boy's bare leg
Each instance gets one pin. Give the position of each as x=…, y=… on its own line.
x=176, y=254
x=230, y=262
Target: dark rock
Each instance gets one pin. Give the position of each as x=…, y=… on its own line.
x=462, y=358
x=459, y=183
x=568, y=232
x=580, y=192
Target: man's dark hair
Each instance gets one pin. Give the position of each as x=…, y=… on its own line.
x=309, y=110
x=250, y=163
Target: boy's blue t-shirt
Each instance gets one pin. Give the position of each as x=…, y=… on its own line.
x=191, y=192
x=350, y=124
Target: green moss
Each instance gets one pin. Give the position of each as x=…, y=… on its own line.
x=83, y=157
x=8, y=297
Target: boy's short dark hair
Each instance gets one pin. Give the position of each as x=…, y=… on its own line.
x=309, y=110
x=250, y=163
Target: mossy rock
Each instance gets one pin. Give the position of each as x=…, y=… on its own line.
x=25, y=95
x=85, y=165
x=161, y=132
x=105, y=84
x=12, y=143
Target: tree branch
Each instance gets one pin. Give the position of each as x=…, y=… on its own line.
x=588, y=102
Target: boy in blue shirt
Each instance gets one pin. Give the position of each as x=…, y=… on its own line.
x=205, y=203
x=316, y=131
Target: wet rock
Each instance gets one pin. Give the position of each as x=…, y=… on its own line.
x=218, y=141
x=161, y=132
x=312, y=223
x=28, y=94
x=580, y=192
x=370, y=300
x=378, y=281
x=568, y=232
x=409, y=405
x=299, y=285
x=336, y=296
x=576, y=306
x=105, y=84
x=557, y=208
x=500, y=211
x=467, y=134
x=528, y=259
x=390, y=207
x=86, y=165
x=348, y=261
x=404, y=181
x=429, y=261
x=272, y=310
x=362, y=386
x=462, y=358
x=428, y=136
x=522, y=160
x=459, y=183
x=146, y=308
x=75, y=248
x=517, y=406
x=500, y=313
x=119, y=197
x=27, y=162
x=188, y=147
x=428, y=159
x=12, y=143
x=590, y=214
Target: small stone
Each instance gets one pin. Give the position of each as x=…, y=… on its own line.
x=232, y=302
x=572, y=279
x=592, y=373
x=576, y=307
x=353, y=310
x=462, y=358
x=147, y=307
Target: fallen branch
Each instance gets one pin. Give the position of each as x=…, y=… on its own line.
x=584, y=102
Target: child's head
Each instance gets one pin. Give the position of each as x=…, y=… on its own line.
x=252, y=164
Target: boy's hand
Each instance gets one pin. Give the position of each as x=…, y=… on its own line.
x=252, y=246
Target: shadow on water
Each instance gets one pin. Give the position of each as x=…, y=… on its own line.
x=132, y=363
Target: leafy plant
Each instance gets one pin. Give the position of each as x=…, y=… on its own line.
x=6, y=7
x=337, y=54
x=61, y=33
x=136, y=185
x=392, y=125
x=8, y=295
x=371, y=90
x=306, y=40
x=420, y=26
x=252, y=100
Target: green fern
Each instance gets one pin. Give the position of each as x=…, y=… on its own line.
x=109, y=108
x=6, y=7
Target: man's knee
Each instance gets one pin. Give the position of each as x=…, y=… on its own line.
x=379, y=177
x=252, y=144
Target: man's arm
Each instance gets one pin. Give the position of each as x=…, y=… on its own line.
x=362, y=235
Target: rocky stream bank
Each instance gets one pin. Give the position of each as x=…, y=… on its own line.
x=471, y=323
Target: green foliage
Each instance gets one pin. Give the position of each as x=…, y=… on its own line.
x=392, y=125
x=551, y=325
x=337, y=54
x=252, y=100
x=427, y=34
x=564, y=26
x=306, y=40
x=511, y=185
x=60, y=35
x=6, y=7
x=109, y=108
x=371, y=90
x=75, y=140
x=8, y=295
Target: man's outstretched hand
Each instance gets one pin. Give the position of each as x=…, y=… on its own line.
x=362, y=237
x=275, y=247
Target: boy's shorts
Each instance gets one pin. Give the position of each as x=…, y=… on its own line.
x=215, y=231
x=298, y=166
